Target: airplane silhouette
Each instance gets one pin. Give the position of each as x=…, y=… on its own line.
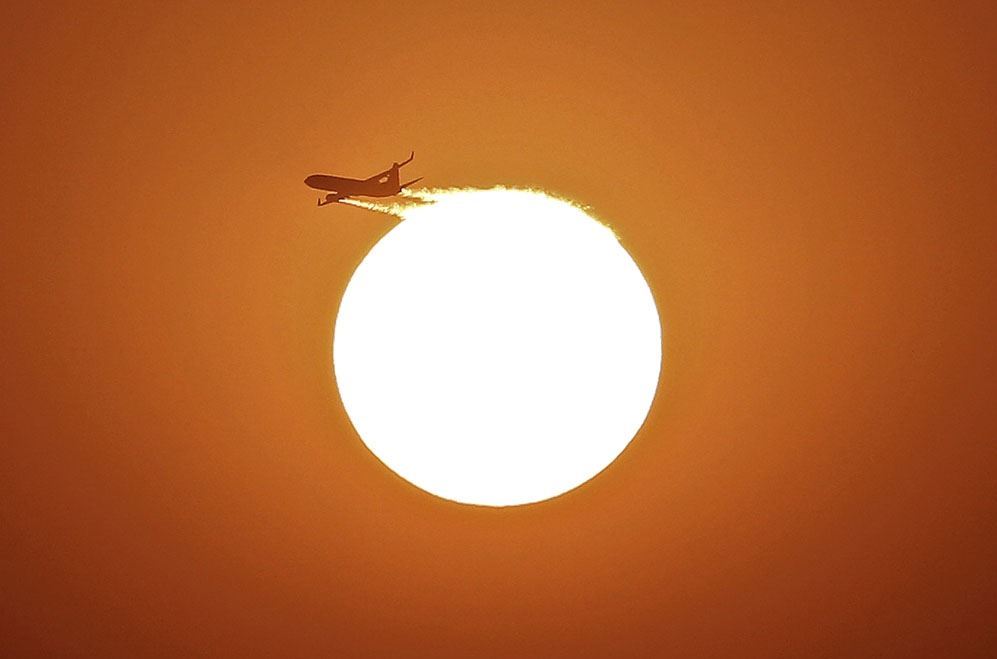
x=384, y=184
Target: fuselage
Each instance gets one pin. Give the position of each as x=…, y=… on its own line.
x=352, y=186
x=384, y=184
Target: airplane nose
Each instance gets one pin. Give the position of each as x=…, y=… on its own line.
x=314, y=181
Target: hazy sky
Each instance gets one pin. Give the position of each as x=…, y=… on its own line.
x=808, y=188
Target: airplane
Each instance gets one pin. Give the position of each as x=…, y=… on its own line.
x=384, y=184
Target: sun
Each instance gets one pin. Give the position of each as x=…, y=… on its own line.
x=497, y=347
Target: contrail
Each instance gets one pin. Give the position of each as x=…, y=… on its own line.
x=398, y=210
x=422, y=197
x=413, y=198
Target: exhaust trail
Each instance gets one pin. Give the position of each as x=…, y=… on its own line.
x=397, y=210
x=412, y=199
x=412, y=202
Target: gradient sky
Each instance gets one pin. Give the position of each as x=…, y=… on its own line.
x=808, y=187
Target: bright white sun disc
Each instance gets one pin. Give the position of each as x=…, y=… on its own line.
x=497, y=347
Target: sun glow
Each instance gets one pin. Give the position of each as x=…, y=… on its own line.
x=497, y=347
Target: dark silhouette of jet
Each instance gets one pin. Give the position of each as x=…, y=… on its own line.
x=384, y=184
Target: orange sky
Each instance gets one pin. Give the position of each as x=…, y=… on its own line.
x=808, y=187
